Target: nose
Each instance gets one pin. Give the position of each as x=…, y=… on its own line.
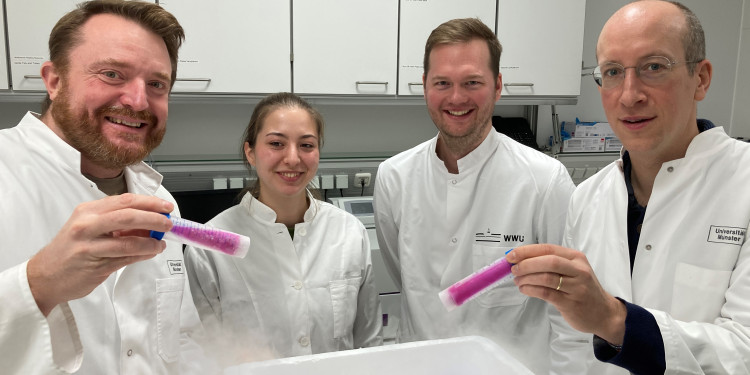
x=291, y=156
x=458, y=94
x=134, y=95
x=632, y=89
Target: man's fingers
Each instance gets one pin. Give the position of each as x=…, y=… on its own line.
x=531, y=251
x=130, y=246
x=135, y=201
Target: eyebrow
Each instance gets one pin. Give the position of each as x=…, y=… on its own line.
x=468, y=77
x=109, y=62
x=282, y=135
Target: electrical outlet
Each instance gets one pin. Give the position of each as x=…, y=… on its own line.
x=342, y=181
x=326, y=181
x=360, y=178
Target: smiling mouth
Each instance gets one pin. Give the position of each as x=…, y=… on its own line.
x=637, y=121
x=123, y=122
x=290, y=174
x=458, y=113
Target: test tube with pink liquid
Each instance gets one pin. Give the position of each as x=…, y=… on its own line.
x=476, y=284
x=205, y=237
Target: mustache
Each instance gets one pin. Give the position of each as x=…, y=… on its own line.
x=142, y=116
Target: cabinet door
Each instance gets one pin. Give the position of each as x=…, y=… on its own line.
x=418, y=19
x=28, y=36
x=542, y=46
x=345, y=46
x=3, y=57
x=233, y=46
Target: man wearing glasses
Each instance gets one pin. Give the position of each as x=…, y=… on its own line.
x=662, y=277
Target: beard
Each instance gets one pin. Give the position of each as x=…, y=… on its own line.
x=84, y=133
x=464, y=142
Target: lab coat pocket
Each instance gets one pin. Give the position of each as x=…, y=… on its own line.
x=168, y=301
x=344, y=303
x=698, y=293
x=504, y=294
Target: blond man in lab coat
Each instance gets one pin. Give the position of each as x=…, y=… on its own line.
x=662, y=278
x=460, y=200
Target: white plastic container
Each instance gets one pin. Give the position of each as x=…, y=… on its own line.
x=462, y=355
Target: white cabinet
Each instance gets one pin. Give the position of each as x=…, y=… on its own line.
x=345, y=46
x=3, y=57
x=417, y=20
x=542, y=46
x=233, y=46
x=29, y=26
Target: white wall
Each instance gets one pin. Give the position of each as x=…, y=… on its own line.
x=722, y=23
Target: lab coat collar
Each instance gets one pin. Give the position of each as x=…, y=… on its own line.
x=265, y=213
x=140, y=177
x=47, y=142
x=706, y=142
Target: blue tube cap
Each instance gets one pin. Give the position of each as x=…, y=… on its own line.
x=158, y=235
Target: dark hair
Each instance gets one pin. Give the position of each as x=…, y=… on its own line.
x=66, y=34
x=464, y=30
x=264, y=108
x=693, y=39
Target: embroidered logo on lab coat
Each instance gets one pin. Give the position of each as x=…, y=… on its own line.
x=175, y=267
x=729, y=235
x=489, y=236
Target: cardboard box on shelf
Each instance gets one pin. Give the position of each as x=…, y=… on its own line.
x=612, y=144
x=593, y=130
x=583, y=145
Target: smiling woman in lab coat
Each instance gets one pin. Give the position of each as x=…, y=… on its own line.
x=306, y=286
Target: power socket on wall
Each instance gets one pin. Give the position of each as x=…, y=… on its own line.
x=362, y=179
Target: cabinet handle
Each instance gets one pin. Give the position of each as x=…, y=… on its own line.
x=194, y=79
x=416, y=84
x=372, y=83
x=518, y=84
x=32, y=77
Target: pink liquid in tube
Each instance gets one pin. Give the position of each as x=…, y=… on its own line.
x=475, y=284
x=205, y=237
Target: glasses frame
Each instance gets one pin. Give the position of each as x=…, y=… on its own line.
x=597, y=73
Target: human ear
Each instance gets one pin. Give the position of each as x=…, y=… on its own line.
x=249, y=154
x=51, y=77
x=703, y=72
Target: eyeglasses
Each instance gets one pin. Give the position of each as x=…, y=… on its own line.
x=652, y=71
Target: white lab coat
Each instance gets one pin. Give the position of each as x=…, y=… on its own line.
x=138, y=330
x=288, y=297
x=696, y=284
x=435, y=228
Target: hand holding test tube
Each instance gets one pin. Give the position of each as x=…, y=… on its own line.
x=475, y=284
x=205, y=237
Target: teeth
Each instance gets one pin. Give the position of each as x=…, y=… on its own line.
x=290, y=175
x=126, y=123
x=458, y=113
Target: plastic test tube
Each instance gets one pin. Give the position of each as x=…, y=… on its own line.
x=205, y=237
x=475, y=284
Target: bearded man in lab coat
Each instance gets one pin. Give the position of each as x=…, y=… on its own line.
x=664, y=228
x=77, y=204
x=459, y=201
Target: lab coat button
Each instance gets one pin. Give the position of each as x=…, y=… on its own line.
x=454, y=239
x=454, y=182
x=302, y=231
x=670, y=169
x=648, y=247
x=304, y=341
x=130, y=352
x=297, y=285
